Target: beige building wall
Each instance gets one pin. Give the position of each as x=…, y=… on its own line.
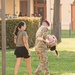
x=17, y=7
x=48, y=6
x=9, y=7
x=66, y=12
x=31, y=7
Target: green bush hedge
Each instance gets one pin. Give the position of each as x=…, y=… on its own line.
x=32, y=26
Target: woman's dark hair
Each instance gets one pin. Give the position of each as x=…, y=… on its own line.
x=22, y=23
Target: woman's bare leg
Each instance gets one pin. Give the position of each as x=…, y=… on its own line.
x=18, y=62
x=28, y=63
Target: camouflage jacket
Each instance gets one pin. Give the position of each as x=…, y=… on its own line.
x=41, y=32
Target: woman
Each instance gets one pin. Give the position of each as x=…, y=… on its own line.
x=22, y=47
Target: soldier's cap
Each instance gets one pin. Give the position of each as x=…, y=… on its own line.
x=46, y=22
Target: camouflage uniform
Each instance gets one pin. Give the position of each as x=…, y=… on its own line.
x=41, y=50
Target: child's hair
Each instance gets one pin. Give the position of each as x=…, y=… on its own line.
x=22, y=23
x=56, y=52
x=54, y=49
x=53, y=43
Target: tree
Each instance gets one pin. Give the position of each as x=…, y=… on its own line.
x=56, y=20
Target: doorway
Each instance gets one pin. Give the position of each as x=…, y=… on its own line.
x=41, y=11
x=40, y=8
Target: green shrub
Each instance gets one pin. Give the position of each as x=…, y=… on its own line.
x=32, y=26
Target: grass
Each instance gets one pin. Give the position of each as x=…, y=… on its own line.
x=64, y=65
x=68, y=33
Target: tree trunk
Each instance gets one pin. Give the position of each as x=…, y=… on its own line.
x=56, y=20
x=74, y=1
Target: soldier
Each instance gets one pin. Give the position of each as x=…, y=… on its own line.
x=41, y=48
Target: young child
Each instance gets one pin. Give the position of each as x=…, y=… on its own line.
x=52, y=43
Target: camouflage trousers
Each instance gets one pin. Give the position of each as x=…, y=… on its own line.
x=43, y=65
